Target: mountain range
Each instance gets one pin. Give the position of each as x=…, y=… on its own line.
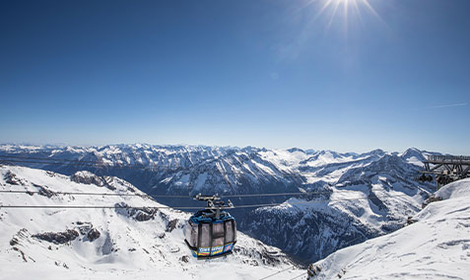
x=351, y=197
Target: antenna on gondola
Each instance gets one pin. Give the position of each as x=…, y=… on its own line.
x=214, y=203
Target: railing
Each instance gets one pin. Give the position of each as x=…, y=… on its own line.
x=449, y=158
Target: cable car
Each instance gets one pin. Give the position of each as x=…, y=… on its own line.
x=211, y=232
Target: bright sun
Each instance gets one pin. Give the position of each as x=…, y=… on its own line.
x=348, y=7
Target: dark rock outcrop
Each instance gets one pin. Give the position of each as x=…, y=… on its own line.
x=139, y=214
x=431, y=199
x=171, y=225
x=44, y=191
x=12, y=179
x=93, y=234
x=58, y=237
x=83, y=177
x=87, y=229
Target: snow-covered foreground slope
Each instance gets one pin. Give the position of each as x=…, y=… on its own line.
x=107, y=243
x=435, y=246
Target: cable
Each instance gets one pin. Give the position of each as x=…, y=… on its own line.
x=165, y=196
x=120, y=206
x=93, y=207
x=184, y=207
x=314, y=201
x=97, y=194
x=303, y=273
x=266, y=277
x=273, y=194
x=131, y=207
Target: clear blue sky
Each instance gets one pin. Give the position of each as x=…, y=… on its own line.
x=277, y=74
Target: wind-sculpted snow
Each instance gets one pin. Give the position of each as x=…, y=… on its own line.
x=455, y=190
x=436, y=245
x=124, y=243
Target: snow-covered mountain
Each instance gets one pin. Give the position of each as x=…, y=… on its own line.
x=370, y=197
x=194, y=169
x=171, y=169
x=102, y=243
x=362, y=195
x=435, y=245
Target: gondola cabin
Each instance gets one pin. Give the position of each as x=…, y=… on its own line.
x=211, y=232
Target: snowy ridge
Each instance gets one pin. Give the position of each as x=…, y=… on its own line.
x=436, y=245
x=190, y=169
x=175, y=169
x=107, y=243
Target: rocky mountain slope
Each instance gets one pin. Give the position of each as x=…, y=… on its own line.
x=185, y=170
x=363, y=201
x=435, y=245
x=144, y=243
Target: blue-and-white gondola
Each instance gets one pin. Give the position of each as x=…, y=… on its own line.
x=211, y=232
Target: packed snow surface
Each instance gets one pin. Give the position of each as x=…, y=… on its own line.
x=436, y=245
x=108, y=243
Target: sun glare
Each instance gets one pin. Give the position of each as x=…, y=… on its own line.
x=345, y=9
